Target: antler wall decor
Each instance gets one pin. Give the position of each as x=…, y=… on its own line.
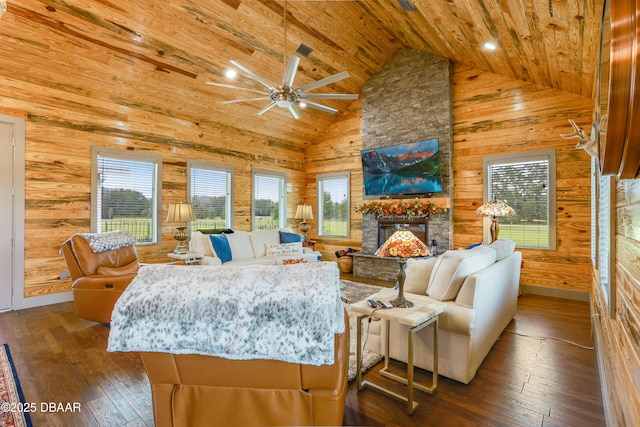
x=584, y=142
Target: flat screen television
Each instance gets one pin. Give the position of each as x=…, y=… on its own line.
x=411, y=168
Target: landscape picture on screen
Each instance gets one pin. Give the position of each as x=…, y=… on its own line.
x=411, y=168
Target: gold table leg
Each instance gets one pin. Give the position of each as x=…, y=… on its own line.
x=409, y=381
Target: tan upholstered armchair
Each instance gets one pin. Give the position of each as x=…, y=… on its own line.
x=100, y=272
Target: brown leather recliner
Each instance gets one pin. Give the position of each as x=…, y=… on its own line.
x=194, y=390
x=99, y=278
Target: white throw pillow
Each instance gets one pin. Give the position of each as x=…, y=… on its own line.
x=503, y=248
x=417, y=272
x=240, y=245
x=284, y=249
x=453, y=267
x=201, y=243
x=261, y=238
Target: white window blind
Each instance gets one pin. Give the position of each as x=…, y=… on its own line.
x=126, y=194
x=526, y=183
x=210, y=194
x=333, y=204
x=269, y=204
x=605, y=201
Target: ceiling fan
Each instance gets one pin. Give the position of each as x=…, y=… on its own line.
x=286, y=95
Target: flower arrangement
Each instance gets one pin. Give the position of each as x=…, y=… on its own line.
x=400, y=207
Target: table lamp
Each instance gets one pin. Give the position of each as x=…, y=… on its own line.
x=402, y=244
x=180, y=213
x=495, y=208
x=304, y=213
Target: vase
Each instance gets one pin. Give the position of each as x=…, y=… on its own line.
x=345, y=264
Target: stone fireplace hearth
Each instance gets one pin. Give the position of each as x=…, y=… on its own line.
x=369, y=265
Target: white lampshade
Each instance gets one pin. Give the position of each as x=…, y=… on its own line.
x=304, y=212
x=180, y=212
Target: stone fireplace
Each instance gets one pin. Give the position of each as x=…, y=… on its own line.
x=409, y=99
x=419, y=228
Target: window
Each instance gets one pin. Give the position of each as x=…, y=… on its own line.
x=606, y=238
x=125, y=193
x=333, y=204
x=269, y=200
x=209, y=192
x=526, y=182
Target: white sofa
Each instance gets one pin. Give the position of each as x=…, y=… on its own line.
x=480, y=289
x=252, y=248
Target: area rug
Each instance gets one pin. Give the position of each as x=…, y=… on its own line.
x=12, y=403
x=353, y=292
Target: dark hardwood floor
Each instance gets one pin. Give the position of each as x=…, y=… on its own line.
x=524, y=381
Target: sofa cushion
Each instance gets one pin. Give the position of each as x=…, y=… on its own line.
x=201, y=243
x=453, y=267
x=417, y=273
x=221, y=246
x=240, y=244
x=260, y=238
x=251, y=261
x=286, y=237
x=503, y=248
x=284, y=249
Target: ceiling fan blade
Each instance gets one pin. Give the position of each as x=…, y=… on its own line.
x=294, y=111
x=254, y=76
x=245, y=100
x=321, y=107
x=329, y=95
x=239, y=88
x=323, y=82
x=267, y=108
x=290, y=74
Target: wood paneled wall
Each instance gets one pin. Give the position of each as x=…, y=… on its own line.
x=338, y=151
x=58, y=174
x=618, y=336
x=492, y=115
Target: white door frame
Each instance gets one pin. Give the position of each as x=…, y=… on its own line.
x=18, y=301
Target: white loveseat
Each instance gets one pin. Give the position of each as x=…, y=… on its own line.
x=263, y=247
x=480, y=289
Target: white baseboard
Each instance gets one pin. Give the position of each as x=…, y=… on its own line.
x=22, y=303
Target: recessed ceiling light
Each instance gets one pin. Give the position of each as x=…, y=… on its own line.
x=231, y=73
x=490, y=46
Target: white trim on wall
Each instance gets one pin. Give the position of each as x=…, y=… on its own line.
x=18, y=300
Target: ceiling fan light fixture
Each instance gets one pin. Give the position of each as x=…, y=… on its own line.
x=282, y=100
x=231, y=73
x=287, y=95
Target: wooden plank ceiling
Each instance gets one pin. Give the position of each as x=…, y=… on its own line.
x=155, y=56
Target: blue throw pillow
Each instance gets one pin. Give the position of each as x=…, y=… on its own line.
x=221, y=246
x=286, y=237
x=473, y=245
